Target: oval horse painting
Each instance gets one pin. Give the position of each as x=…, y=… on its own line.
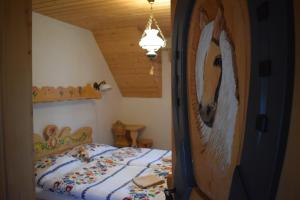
x=216, y=85
x=218, y=77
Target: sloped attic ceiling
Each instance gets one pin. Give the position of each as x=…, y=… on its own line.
x=117, y=26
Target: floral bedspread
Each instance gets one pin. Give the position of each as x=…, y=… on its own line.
x=105, y=179
x=108, y=176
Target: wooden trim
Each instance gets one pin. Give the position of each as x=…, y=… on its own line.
x=16, y=168
x=51, y=94
x=2, y=161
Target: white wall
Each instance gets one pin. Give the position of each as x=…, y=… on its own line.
x=155, y=113
x=66, y=55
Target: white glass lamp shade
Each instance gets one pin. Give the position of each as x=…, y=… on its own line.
x=151, y=41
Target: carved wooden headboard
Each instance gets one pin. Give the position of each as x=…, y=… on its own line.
x=57, y=142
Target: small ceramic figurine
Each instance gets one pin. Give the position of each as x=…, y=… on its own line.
x=83, y=154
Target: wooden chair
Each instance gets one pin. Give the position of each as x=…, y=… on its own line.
x=120, y=137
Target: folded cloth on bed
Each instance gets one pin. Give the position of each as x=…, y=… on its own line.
x=147, y=181
x=104, y=179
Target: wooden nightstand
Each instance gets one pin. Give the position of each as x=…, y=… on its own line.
x=134, y=131
x=126, y=135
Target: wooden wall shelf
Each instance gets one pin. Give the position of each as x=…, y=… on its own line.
x=52, y=94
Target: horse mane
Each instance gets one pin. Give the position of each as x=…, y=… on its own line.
x=219, y=137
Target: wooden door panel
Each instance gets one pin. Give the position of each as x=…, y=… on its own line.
x=211, y=178
x=16, y=150
x=258, y=143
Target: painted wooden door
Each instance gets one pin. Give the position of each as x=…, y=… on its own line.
x=224, y=97
x=216, y=138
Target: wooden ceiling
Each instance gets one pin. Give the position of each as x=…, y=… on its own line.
x=117, y=26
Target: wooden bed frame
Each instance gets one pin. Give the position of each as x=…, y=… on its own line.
x=55, y=142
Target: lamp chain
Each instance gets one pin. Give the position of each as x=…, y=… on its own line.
x=151, y=8
x=155, y=22
x=150, y=21
x=160, y=32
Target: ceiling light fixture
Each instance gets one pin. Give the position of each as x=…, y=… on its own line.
x=152, y=39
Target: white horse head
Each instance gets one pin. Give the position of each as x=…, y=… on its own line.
x=216, y=88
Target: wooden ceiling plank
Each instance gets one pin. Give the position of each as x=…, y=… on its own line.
x=76, y=6
x=61, y=4
x=117, y=26
x=116, y=14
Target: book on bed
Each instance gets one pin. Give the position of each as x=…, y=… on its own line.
x=147, y=181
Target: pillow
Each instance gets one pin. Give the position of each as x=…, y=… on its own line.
x=53, y=163
x=88, y=152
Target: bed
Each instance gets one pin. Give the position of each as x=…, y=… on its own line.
x=104, y=172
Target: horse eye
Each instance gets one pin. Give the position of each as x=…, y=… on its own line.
x=218, y=61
